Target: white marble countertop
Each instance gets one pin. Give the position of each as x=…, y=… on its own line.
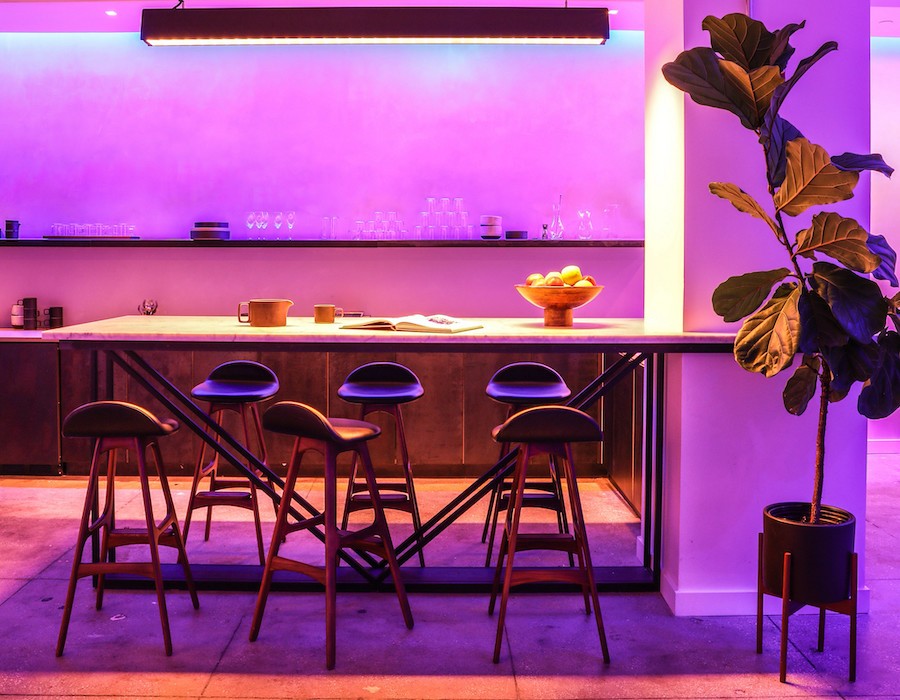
x=302, y=330
x=17, y=334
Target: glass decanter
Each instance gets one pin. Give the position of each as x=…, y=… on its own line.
x=556, y=224
x=585, y=227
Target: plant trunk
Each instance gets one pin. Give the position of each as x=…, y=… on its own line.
x=815, y=506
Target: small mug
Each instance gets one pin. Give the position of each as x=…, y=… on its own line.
x=17, y=316
x=326, y=313
x=54, y=316
x=28, y=303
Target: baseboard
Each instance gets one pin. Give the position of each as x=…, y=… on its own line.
x=883, y=446
x=703, y=603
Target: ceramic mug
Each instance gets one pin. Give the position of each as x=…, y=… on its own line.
x=326, y=313
x=264, y=313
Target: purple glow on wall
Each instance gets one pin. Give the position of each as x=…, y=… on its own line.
x=115, y=131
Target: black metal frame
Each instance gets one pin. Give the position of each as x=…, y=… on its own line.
x=371, y=571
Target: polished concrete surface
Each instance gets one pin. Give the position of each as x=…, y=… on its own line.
x=550, y=648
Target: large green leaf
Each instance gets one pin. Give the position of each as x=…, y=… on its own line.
x=811, y=179
x=774, y=135
x=781, y=49
x=801, y=387
x=880, y=397
x=698, y=73
x=880, y=247
x=818, y=326
x=751, y=91
x=838, y=237
x=768, y=340
x=857, y=303
x=742, y=201
x=740, y=296
x=740, y=39
x=858, y=162
x=850, y=363
x=782, y=91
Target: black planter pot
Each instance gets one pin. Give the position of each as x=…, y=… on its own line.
x=821, y=554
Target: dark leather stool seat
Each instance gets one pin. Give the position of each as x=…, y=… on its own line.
x=329, y=437
x=233, y=387
x=520, y=385
x=116, y=425
x=546, y=430
x=381, y=387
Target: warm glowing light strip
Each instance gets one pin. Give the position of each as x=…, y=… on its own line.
x=374, y=25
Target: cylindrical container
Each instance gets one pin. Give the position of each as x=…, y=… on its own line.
x=54, y=317
x=491, y=226
x=17, y=316
x=12, y=228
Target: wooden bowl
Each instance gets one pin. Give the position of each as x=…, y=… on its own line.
x=558, y=302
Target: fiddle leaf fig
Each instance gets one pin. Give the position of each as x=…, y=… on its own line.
x=840, y=238
x=751, y=91
x=774, y=135
x=740, y=296
x=850, y=363
x=740, y=39
x=768, y=339
x=871, y=161
x=880, y=396
x=801, y=387
x=698, y=73
x=742, y=201
x=782, y=91
x=885, y=270
x=818, y=326
x=781, y=49
x=811, y=179
x=857, y=303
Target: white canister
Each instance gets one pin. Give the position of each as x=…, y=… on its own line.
x=491, y=226
x=17, y=316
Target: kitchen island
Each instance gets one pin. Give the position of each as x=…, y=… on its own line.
x=130, y=344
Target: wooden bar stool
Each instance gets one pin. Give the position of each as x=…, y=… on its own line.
x=329, y=437
x=546, y=430
x=117, y=425
x=520, y=385
x=382, y=387
x=235, y=387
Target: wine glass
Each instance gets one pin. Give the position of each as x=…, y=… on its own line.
x=278, y=220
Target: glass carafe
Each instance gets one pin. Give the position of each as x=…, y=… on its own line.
x=585, y=227
x=556, y=224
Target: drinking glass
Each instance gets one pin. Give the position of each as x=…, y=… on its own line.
x=585, y=227
x=278, y=220
x=290, y=218
x=251, y=222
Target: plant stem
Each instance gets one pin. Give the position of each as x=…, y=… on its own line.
x=815, y=506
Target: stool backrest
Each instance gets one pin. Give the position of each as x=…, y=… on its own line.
x=115, y=418
x=243, y=371
x=385, y=372
x=299, y=420
x=549, y=424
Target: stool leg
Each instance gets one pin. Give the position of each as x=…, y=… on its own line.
x=254, y=503
x=561, y=520
x=153, y=541
x=493, y=514
x=171, y=523
x=511, y=533
x=410, y=485
x=381, y=523
x=580, y=532
x=854, y=583
x=201, y=470
x=278, y=536
x=351, y=484
x=759, y=596
x=332, y=544
x=105, y=521
x=84, y=528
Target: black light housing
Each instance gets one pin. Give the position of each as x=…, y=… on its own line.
x=375, y=25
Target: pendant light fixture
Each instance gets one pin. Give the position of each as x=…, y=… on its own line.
x=375, y=25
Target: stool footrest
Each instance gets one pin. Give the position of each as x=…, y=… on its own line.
x=523, y=576
x=534, y=500
x=204, y=499
x=123, y=537
x=556, y=541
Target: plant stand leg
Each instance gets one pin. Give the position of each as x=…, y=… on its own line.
x=821, y=644
x=785, y=616
x=854, y=582
x=759, y=597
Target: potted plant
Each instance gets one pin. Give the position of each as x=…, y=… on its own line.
x=821, y=314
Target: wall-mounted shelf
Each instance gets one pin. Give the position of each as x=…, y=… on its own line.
x=308, y=243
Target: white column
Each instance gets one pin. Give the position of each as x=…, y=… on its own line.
x=731, y=448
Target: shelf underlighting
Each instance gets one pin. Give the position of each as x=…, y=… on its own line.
x=374, y=25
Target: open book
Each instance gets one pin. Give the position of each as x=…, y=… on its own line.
x=436, y=323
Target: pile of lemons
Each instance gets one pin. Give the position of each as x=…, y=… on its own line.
x=569, y=276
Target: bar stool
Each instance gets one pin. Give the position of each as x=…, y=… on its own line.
x=546, y=430
x=117, y=425
x=236, y=387
x=329, y=437
x=520, y=385
x=382, y=387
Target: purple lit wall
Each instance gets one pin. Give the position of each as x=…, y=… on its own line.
x=101, y=128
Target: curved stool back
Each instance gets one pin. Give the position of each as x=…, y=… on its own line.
x=329, y=437
x=381, y=387
x=519, y=385
x=232, y=387
x=546, y=430
x=117, y=425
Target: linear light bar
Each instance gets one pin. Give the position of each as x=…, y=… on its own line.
x=374, y=25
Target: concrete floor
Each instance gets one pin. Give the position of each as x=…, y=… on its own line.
x=550, y=649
